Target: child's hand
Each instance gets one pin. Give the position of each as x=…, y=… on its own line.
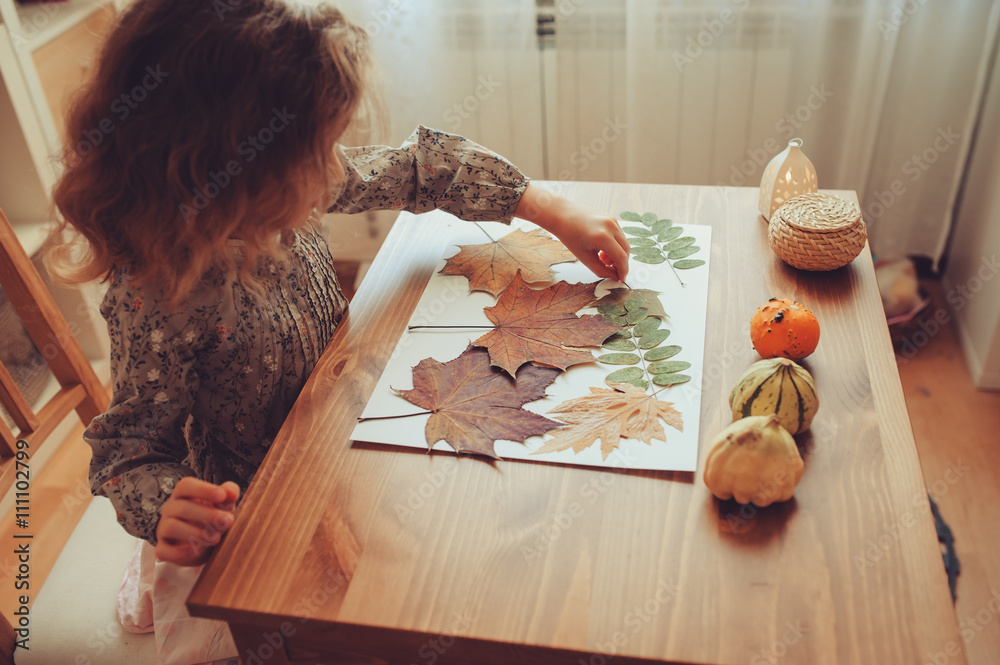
x=193, y=519
x=594, y=238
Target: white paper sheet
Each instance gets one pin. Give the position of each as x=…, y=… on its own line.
x=448, y=301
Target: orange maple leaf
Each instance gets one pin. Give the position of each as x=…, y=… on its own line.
x=540, y=326
x=623, y=412
x=491, y=266
x=473, y=404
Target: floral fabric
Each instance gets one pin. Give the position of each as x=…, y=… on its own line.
x=202, y=390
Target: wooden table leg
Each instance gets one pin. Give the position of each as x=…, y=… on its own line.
x=259, y=646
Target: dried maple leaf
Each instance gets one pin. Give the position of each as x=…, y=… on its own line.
x=650, y=300
x=491, y=266
x=540, y=326
x=624, y=411
x=473, y=404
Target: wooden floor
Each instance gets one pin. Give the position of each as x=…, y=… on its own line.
x=954, y=426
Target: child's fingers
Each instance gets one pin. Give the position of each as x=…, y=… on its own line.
x=175, y=531
x=617, y=256
x=232, y=494
x=597, y=266
x=198, y=490
x=197, y=514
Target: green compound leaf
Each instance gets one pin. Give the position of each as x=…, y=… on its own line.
x=649, y=218
x=650, y=257
x=669, y=234
x=617, y=343
x=667, y=366
x=661, y=226
x=682, y=252
x=670, y=379
x=637, y=231
x=616, y=320
x=619, y=358
x=633, y=303
x=687, y=264
x=662, y=353
x=631, y=375
x=631, y=216
x=680, y=242
x=646, y=326
x=636, y=315
x=653, y=339
x=641, y=242
x=612, y=308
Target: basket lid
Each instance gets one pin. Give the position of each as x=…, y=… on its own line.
x=819, y=213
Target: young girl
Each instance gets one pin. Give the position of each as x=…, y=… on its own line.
x=200, y=156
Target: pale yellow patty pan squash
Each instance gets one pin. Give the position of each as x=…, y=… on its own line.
x=754, y=460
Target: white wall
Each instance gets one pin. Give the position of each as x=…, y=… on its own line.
x=970, y=280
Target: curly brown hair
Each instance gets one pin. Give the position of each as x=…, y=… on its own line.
x=204, y=120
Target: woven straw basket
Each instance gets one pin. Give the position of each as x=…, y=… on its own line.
x=817, y=232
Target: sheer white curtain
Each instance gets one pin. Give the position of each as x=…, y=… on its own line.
x=884, y=94
x=465, y=66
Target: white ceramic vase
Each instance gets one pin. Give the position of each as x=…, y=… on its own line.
x=789, y=174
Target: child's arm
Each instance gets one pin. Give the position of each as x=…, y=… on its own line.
x=595, y=239
x=431, y=170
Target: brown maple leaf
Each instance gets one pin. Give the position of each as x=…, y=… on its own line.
x=540, y=326
x=625, y=411
x=491, y=266
x=473, y=404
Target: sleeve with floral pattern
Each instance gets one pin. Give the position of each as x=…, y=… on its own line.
x=138, y=444
x=432, y=169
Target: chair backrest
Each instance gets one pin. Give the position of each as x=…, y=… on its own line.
x=80, y=389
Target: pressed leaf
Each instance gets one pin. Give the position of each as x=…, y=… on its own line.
x=636, y=315
x=637, y=231
x=618, y=321
x=669, y=234
x=491, y=266
x=687, y=264
x=619, y=358
x=634, y=302
x=652, y=339
x=651, y=259
x=661, y=226
x=646, y=326
x=540, y=326
x=618, y=296
x=474, y=405
x=619, y=344
x=649, y=218
x=662, y=353
x=667, y=366
x=670, y=379
x=682, y=252
x=624, y=411
x=680, y=242
x=612, y=308
x=631, y=216
x=626, y=375
x=641, y=242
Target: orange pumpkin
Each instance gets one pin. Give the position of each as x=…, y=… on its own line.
x=784, y=328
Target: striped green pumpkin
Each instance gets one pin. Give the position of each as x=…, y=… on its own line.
x=779, y=386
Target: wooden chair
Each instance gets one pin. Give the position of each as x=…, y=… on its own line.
x=80, y=389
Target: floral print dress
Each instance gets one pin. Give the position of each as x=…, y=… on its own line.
x=202, y=390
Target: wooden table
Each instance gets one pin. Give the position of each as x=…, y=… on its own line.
x=363, y=553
